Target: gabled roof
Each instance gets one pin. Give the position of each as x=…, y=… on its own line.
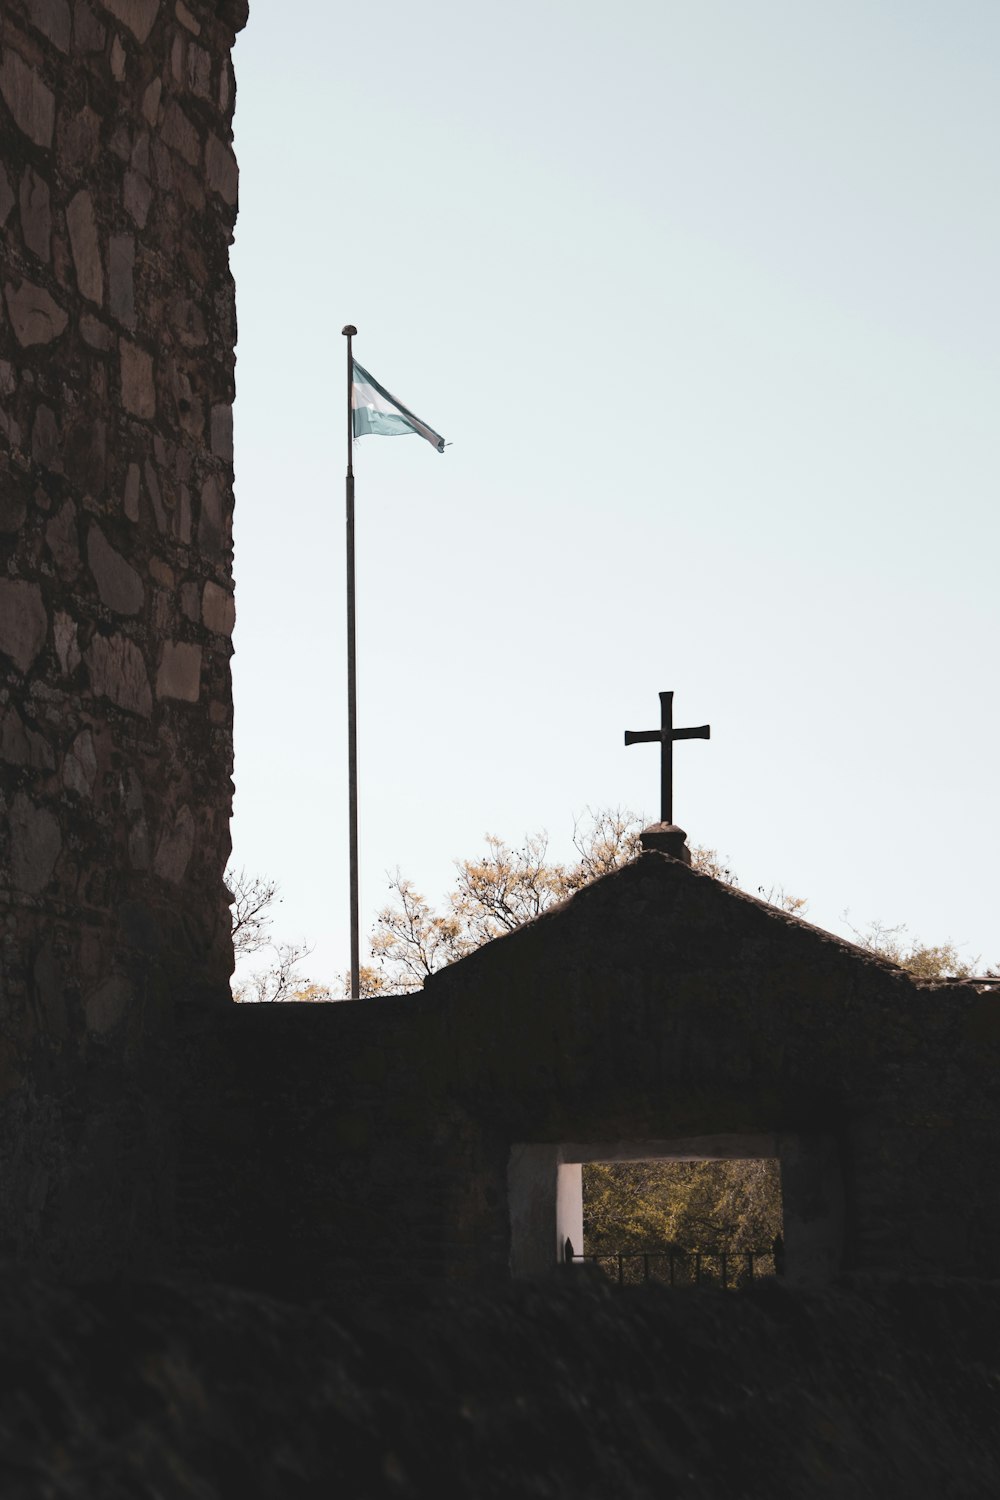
x=657, y=910
x=659, y=1000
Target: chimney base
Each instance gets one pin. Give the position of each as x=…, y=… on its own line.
x=666, y=838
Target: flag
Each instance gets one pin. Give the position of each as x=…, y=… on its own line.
x=375, y=411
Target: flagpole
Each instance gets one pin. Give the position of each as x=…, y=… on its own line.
x=352, y=680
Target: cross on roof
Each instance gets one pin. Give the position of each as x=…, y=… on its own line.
x=666, y=734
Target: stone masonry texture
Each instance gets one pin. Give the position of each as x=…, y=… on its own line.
x=117, y=329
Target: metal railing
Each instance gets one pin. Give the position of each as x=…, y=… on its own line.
x=727, y=1269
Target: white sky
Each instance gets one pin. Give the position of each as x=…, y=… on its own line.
x=705, y=297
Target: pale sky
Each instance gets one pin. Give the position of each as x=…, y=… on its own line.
x=704, y=296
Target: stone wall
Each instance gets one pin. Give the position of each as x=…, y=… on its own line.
x=118, y=189
x=373, y=1141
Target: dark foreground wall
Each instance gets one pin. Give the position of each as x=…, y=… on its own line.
x=550, y=1390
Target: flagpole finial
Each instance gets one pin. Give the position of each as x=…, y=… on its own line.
x=349, y=330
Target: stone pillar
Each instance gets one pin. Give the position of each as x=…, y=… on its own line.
x=812, y=1207
x=545, y=1204
x=118, y=193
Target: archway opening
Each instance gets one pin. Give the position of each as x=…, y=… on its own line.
x=683, y=1221
x=788, y=1184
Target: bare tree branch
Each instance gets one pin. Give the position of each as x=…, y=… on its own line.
x=253, y=896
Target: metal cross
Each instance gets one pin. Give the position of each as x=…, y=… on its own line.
x=666, y=734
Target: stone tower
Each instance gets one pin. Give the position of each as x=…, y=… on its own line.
x=118, y=189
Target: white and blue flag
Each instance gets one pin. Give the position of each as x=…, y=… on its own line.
x=376, y=412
